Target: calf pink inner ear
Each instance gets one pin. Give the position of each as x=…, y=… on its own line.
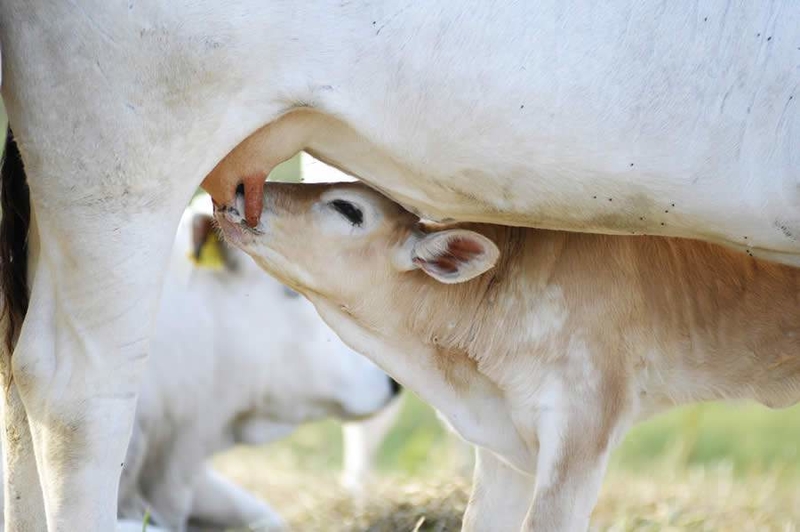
x=455, y=255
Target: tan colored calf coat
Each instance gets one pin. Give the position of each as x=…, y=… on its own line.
x=541, y=347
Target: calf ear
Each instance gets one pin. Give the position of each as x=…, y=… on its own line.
x=454, y=255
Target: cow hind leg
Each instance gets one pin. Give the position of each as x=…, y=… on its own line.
x=77, y=366
x=23, y=505
x=94, y=290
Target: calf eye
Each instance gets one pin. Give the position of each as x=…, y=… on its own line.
x=349, y=211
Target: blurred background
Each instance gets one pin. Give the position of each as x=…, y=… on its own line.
x=702, y=467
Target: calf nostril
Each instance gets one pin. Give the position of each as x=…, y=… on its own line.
x=240, y=189
x=395, y=386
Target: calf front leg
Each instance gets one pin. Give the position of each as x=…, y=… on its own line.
x=574, y=447
x=501, y=496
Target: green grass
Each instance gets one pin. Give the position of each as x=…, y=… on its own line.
x=749, y=437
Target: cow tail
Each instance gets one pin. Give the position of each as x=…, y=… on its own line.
x=14, y=225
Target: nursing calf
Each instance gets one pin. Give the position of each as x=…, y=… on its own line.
x=540, y=347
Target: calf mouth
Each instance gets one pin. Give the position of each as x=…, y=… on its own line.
x=233, y=224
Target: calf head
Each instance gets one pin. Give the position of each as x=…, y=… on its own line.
x=340, y=241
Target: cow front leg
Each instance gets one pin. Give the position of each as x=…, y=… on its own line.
x=82, y=349
x=501, y=496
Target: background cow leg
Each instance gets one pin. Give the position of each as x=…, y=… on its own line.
x=219, y=502
x=82, y=348
x=362, y=441
x=168, y=481
x=501, y=496
x=132, y=504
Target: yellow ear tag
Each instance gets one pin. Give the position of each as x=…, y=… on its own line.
x=210, y=254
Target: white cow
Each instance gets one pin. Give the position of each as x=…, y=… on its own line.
x=635, y=116
x=533, y=347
